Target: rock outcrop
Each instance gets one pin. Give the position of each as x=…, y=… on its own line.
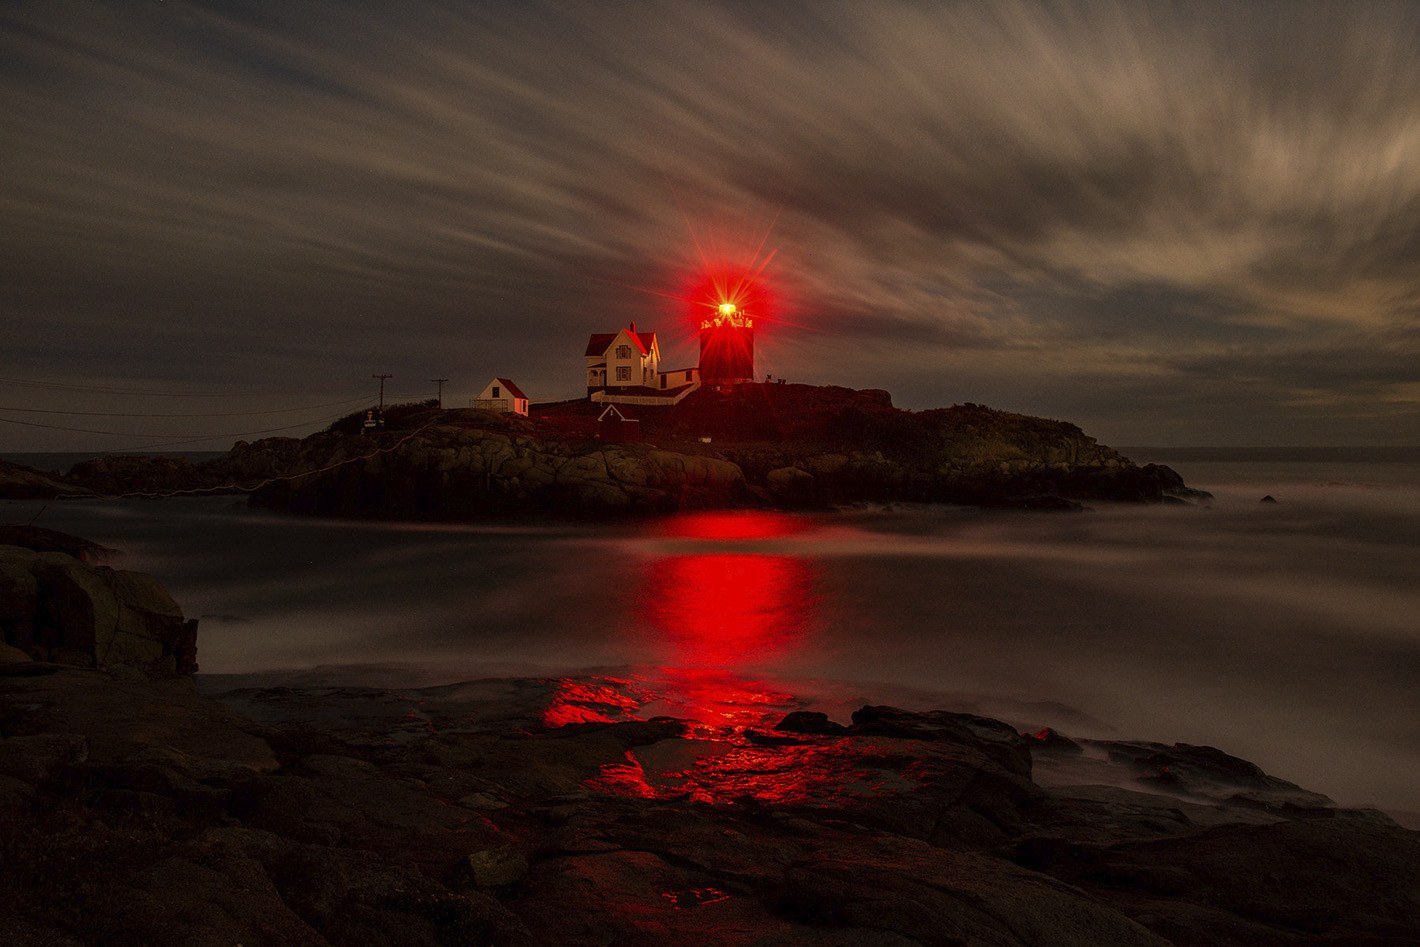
x=18, y=482
x=139, y=812
x=452, y=472
x=55, y=607
x=790, y=446
x=841, y=446
x=806, y=447
x=158, y=475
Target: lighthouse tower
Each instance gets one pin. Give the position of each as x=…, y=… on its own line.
x=727, y=347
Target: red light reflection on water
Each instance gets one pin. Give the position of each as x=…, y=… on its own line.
x=717, y=613
x=719, y=609
x=724, y=610
x=746, y=525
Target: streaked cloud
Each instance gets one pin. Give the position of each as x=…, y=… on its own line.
x=1042, y=206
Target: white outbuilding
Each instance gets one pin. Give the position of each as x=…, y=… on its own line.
x=503, y=396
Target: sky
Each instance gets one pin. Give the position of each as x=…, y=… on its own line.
x=1172, y=223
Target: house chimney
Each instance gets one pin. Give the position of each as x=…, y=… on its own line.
x=633, y=327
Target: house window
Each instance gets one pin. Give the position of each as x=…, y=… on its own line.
x=623, y=373
x=687, y=376
x=495, y=392
x=663, y=380
x=623, y=351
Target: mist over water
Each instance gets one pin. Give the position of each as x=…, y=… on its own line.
x=1284, y=633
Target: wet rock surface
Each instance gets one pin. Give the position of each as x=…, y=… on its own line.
x=143, y=812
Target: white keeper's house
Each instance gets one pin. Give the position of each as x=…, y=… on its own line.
x=625, y=368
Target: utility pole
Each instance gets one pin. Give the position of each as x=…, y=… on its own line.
x=382, y=391
x=440, y=383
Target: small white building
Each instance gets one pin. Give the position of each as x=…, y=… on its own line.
x=503, y=396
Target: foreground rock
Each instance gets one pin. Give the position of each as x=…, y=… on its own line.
x=142, y=813
x=52, y=540
x=56, y=607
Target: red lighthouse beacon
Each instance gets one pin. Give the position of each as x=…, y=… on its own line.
x=727, y=347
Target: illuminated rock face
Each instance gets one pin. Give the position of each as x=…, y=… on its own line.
x=727, y=348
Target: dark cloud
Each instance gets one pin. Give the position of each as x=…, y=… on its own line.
x=1012, y=202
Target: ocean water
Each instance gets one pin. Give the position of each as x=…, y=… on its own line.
x=60, y=462
x=1287, y=633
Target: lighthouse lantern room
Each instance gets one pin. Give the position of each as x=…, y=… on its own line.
x=727, y=346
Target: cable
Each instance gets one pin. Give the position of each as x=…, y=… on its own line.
x=155, y=392
x=239, y=488
x=230, y=414
x=190, y=438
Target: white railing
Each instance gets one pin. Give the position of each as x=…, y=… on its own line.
x=611, y=397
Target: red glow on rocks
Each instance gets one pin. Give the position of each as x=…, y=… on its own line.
x=582, y=701
x=720, y=699
x=693, y=897
x=623, y=779
x=831, y=773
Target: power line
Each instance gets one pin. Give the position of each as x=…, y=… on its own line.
x=192, y=438
x=224, y=437
x=157, y=392
x=230, y=414
x=241, y=488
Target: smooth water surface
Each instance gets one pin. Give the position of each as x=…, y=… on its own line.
x=1285, y=633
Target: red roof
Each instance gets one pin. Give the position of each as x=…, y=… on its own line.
x=597, y=344
x=512, y=388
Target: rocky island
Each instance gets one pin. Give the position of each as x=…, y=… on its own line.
x=788, y=446
x=139, y=809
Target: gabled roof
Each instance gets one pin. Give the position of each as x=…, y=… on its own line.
x=596, y=346
x=617, y=413
x=512, y=389
x=598, y=343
